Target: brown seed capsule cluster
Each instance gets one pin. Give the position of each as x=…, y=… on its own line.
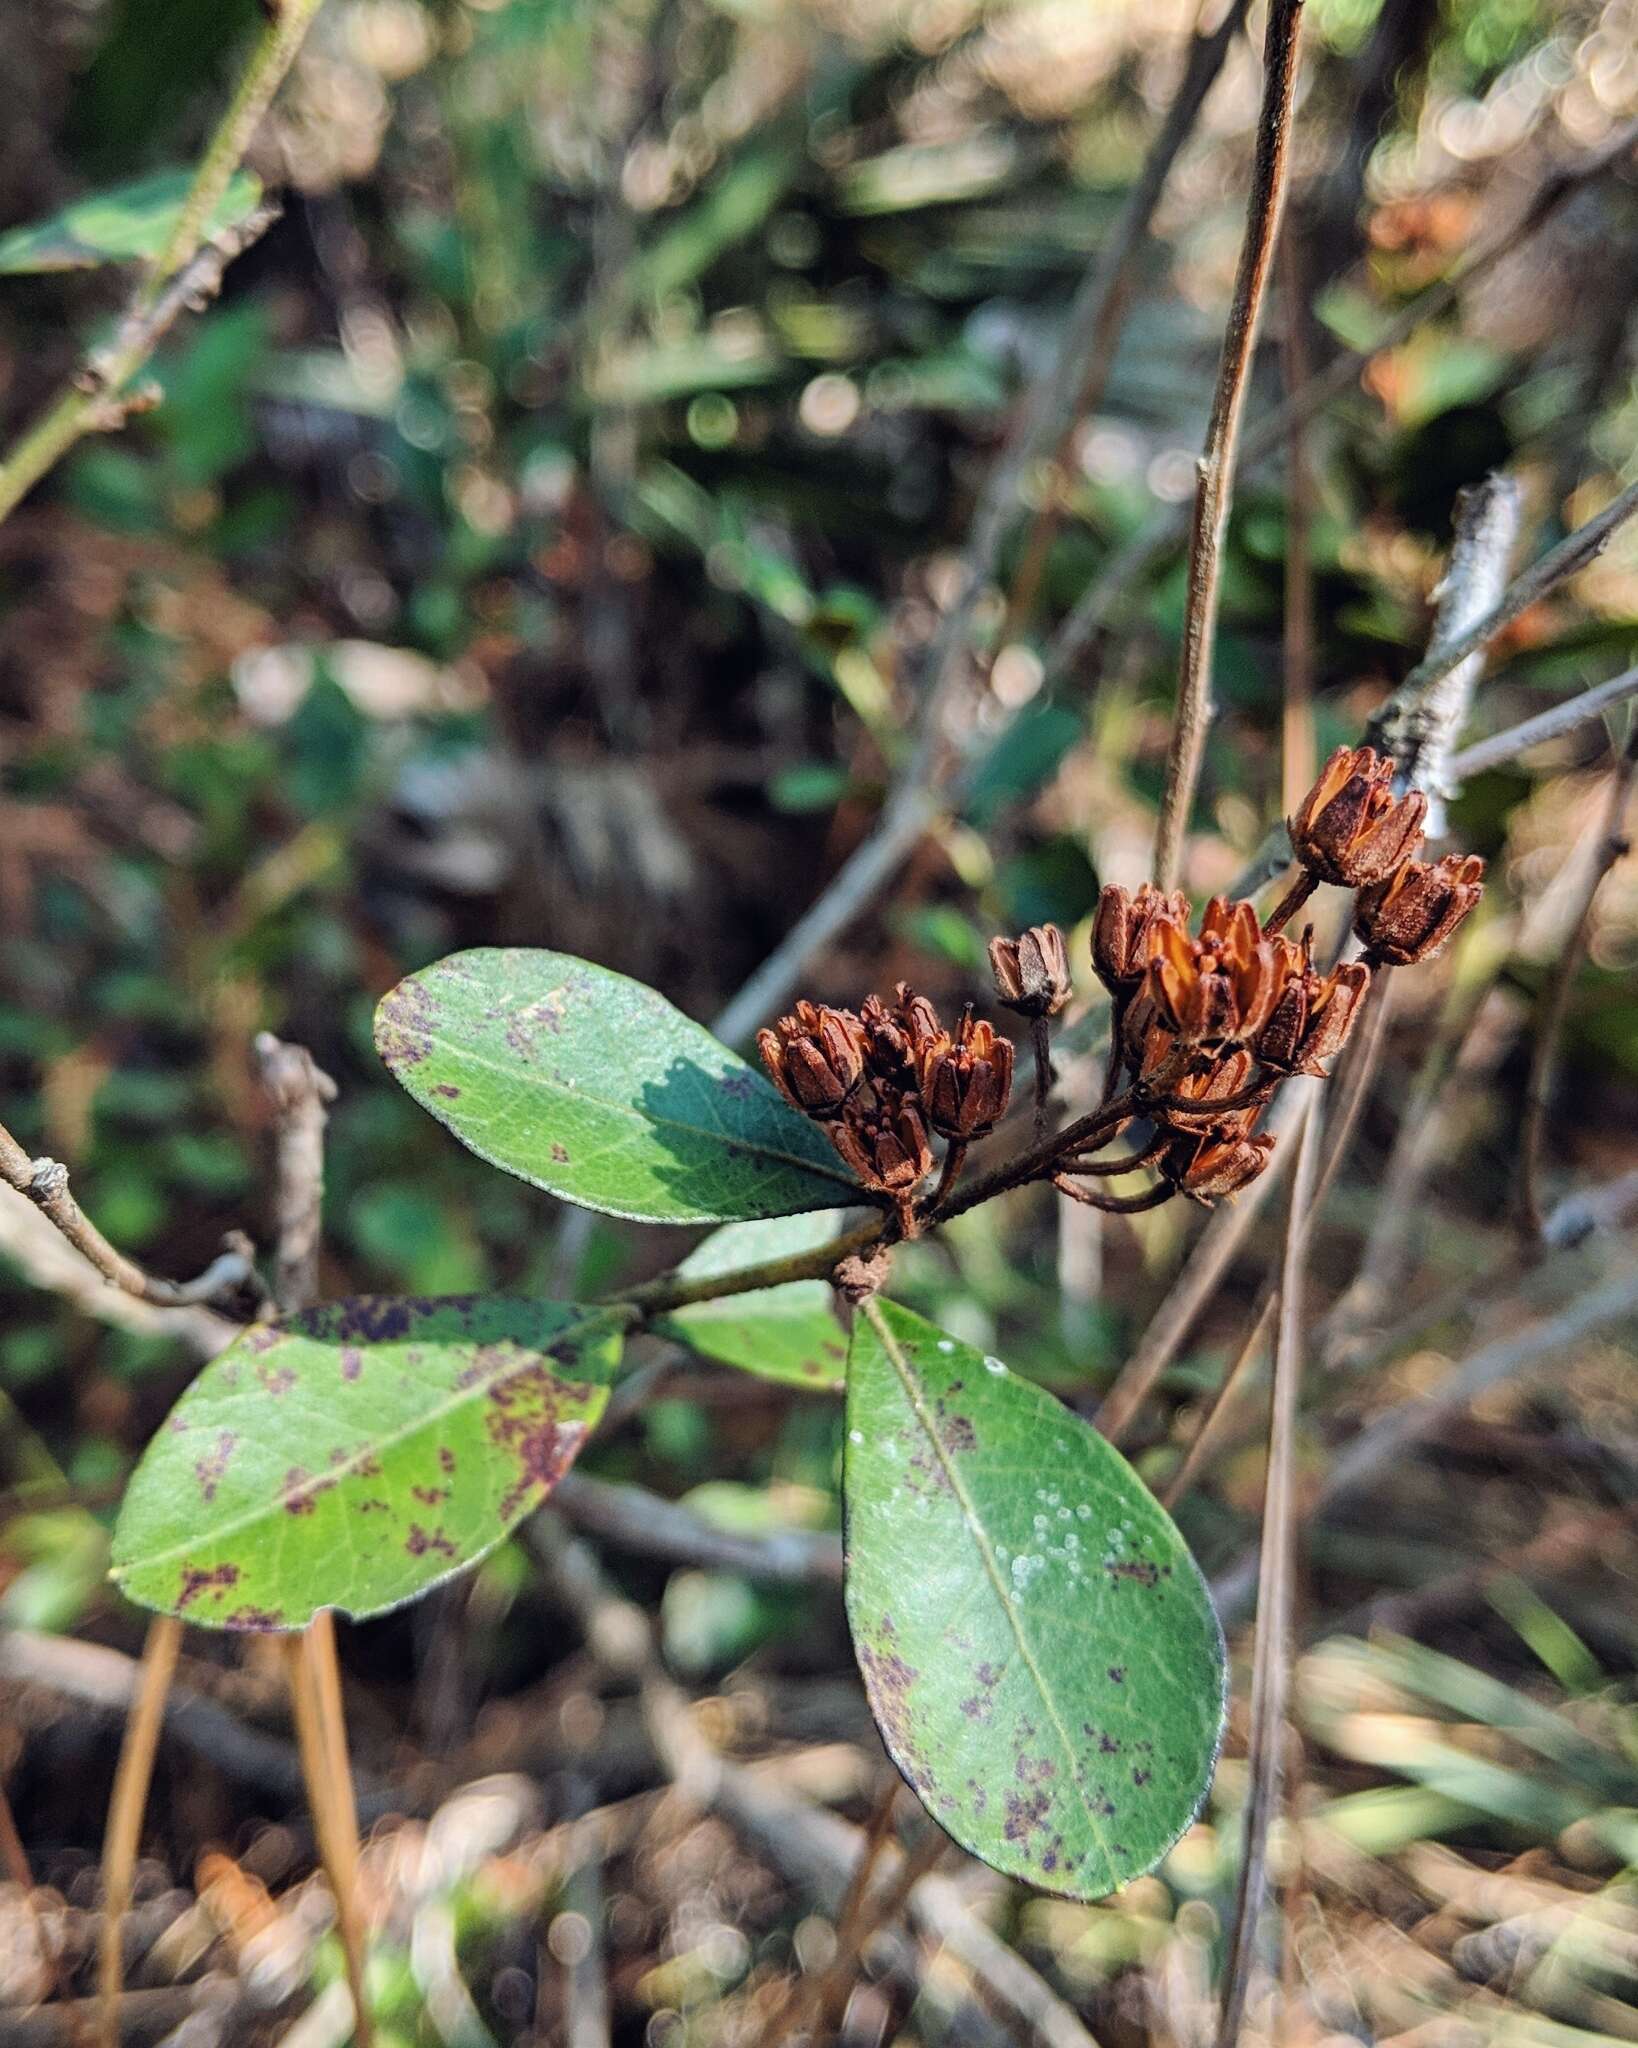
x=1207, y=1022
x=883, y=1080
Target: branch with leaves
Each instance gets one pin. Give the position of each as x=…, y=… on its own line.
x=185, y=275
x=353, y=1454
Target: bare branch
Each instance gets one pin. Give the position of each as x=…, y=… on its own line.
x=93, y=400
x=300, y=1093
x=1215, y=492
x=1212, y=1254
x=45, y=1183
x=1423, y=719
x=1546, y=725
x=1554, y=1003
x=634, y=1519
x=1271, y=1650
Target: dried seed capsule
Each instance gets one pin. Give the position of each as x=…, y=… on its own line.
x=1350, y=828
x=889, y=1054
x=816, y=1058
x=1032, y=971
x=1411, y=915
x=1228, y=1077
x=1313, y=1016
x=965, y=1084
x=1211, y=1167
x=1217, y=989
x=885, y=1143
x=1120, y=932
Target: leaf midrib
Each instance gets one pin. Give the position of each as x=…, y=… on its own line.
x=375, y=1448
x=907, y=1379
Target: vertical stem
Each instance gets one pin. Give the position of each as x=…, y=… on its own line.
x=132, y=1776
x=1554, y=1003
x=1297, y=751
x=1041, y=1042
x=301, y=1093
x=321, y=1737
x=1215, y=492
x=1271, y=1647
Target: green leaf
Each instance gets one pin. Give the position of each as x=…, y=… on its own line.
x=788, y=1333
x=1039, y=1648
x=594, y=1087
x=355, y=1454
x=131, y=222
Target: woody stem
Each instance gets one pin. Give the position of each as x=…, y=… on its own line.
x=1040, y=1039
x=1128, y=1163
x=1114, y=1205
x=955, y=1158
x=1290, y=903
x=1117, y=1029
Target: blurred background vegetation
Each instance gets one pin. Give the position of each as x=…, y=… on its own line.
x=535, y=546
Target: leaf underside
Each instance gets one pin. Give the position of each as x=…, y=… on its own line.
x=1038, y=1646
x=354, y=1455
x=594, y=1087
x=787, y=1333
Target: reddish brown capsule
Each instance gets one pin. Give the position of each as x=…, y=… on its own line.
x=885, y=1144
x=1227, y=1078
x=1032, y=971
x=1350, y=828
x=965, y=1083
x=1212, y=1167
x=888, y=1053
x=1217, y=989
x=920, y=1022
x=816, y=1058
x=1313, y=1015
x=1120, y=932
x=1411, y=915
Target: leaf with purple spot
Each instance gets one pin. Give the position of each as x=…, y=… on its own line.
x=594, y=1087
x=1038, y=1646
x=355, y=1454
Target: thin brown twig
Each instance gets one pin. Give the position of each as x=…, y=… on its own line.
x=1271, y=1645
x=1537, y=1345
x=1547, y=725
x=1196, y=1281
x=45, y=1183
x=1297, y=749
x=1207, y=50
x=301, y=1092
x=1553, y=1005
x=790, y=2014
x=1114, y=1205
x=127, y=1803
x=1353, y=1087
x=1214, y=493
x=875, y=1913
